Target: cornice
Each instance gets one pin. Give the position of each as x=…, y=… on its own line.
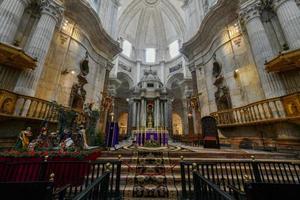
x=222, y=13
x=84, y=15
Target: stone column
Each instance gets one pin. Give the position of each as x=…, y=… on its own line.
x=143, y=113
x=138, y=115
x=185, y=116
x=11, y=12
x=162, y=116
x=39, y=45
x=289, y=17
x=138, y=71
x=130, y=116
x=262, y=50
x=157, y=112
x=134, y=113
x=166, y=113
x=170, y=112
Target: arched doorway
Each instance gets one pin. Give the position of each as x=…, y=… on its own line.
x=177, y=124
x=122, y=122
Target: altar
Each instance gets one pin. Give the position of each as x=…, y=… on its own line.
x=159, y=136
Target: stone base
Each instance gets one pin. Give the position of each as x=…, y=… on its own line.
x=281, y=136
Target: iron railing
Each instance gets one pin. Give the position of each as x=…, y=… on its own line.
x=97, y=190
x=231, y=176
x=77, y=174
x=206, y=190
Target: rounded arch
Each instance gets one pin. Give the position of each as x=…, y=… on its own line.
x=123, y=122
x=125, y=79
x=174, y=79
x=177, y=124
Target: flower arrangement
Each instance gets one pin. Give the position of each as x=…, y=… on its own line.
x=80, y=155
x=151, y=144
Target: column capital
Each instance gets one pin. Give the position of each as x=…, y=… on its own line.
x=52, y=8
x=278, y=3
x=192, y=67
x=250, y=11
x=26, y=2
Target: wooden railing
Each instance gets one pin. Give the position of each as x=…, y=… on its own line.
x=21, y=106
x=267, y=111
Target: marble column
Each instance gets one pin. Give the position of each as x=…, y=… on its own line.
x=138, y=115
x=134, y=113
x=185, y=116
x=157, y=112
x=131, y=104
x=289, y=17
x=38, y=47
x=262, y=50
x=143, y=113
x=162, y=120
x=165, y=114
x=11, y=12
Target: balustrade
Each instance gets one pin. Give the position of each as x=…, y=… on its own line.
x=21, y=106
x=267, y=111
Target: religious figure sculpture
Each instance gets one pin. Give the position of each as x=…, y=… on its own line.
x=23, y=140
x=82, y=132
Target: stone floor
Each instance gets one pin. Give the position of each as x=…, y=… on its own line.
x=169, y=159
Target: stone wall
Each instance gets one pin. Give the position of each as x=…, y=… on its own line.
x=65, y=54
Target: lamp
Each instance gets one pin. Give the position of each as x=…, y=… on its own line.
x=236, y=73
x=67, y=71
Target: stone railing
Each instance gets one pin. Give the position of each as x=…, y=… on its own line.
x=285, y=108
x=20, y=106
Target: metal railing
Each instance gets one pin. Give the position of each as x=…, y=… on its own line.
x=22, y=106
x=231, y=176
x=97, y=190
x=206, y=190
x=77, y=174
x=267, y=111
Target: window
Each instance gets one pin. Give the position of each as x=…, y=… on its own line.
x=150, y=55
x=127, y=48
x=150, y=85
x=174, y=49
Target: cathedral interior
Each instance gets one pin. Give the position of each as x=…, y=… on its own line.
x=150, y=99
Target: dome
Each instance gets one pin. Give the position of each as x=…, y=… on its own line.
x=151, y=23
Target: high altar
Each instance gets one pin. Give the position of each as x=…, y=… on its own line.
x=151, y=112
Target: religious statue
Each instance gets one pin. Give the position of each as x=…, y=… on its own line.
x=43, y=140
x=82, y=133
x=23, y=140
x=150, y=120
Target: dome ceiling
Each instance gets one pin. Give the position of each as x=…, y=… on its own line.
x=151, y=23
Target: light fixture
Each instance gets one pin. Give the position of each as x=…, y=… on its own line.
x=236, y=73
x=67, y=71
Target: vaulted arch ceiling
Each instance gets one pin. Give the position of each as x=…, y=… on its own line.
x=151, y=23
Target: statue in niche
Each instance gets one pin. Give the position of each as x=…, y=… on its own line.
x=78, y=93
x=223, y=99
x=150, y=116
x=222, y=95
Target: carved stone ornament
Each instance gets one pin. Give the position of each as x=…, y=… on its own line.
x=217, y=69
x=84, y=66
x=52, y=8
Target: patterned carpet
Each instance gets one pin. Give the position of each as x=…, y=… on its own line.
x=150, y=178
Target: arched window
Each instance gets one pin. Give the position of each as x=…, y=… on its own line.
x=127, y=48
x=174, y=49
x=150, y=55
